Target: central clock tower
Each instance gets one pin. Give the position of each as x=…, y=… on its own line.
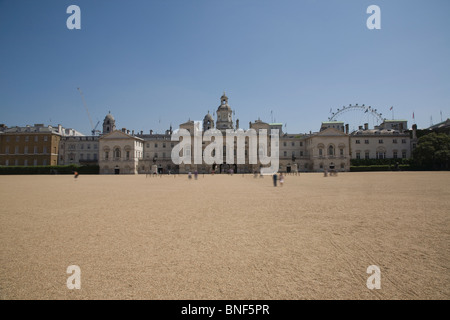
x=224, y=114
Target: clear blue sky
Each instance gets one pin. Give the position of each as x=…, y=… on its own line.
x=156, y=62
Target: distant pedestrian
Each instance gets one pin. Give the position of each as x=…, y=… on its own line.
x=75, y=174
x=196, y=174
x=275, y=178
x=189, y=175
x=325, y=173
x=281, y=179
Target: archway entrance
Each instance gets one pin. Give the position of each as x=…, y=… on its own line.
x=116, y=170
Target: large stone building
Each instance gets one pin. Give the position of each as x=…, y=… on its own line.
x=80, y=150
x=327, y=149
x=125, y=152
x=83, y=150
x=36, y=145
x=390, y=140
x=120, y=153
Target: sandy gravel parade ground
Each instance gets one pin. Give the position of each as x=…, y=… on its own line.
x=226, y=237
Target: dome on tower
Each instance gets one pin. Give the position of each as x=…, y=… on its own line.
x=208, y=117
x=224, y=103
x=110, y=117
x=208, y=122
x=109, y=124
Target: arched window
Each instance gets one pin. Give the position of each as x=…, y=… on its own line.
x=117, y=153
x=321, y=147
x=331, y=150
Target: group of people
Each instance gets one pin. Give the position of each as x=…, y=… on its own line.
x=332, y=173
x=195, y=175
x=276, y=178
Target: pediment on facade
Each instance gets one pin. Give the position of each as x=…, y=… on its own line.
x=118, y=135
x=331, y=132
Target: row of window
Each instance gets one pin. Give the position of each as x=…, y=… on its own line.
x=380, y=141
x=27, y=150
x=293, y=154
x=172, y=145
x=147, y=155
x=88, y=146
x=163, y=145
x=331, y=151
x=25, y=162
x=292, y=144
x=88, y=157
x=117, y=154
x=381, y=155
x=27, y=138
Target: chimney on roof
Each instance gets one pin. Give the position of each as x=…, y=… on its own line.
x=132, y=132
x=414, y=131
x=346, y=128
x=360, y=127
x=124, y=130
x=151, y=132
x=366, y=126
x=142, y=132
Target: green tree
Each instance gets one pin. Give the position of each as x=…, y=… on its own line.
x=433, y=151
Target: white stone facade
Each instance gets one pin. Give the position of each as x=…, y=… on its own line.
x=331, y=148
x=120, y=153
x=381, y=143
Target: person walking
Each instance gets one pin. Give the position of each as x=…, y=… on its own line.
x=275, y=178
x=281, y=179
